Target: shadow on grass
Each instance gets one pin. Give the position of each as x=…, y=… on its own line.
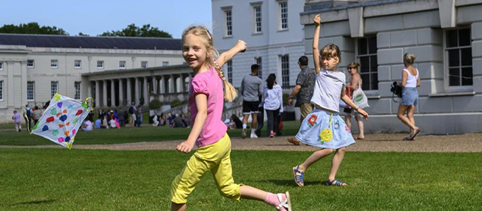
x=292, y=182
x=36, y=202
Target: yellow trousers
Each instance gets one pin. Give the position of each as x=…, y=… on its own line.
x=215, y=158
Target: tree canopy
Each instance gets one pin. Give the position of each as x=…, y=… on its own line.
x=31, y=28
x=134, y=31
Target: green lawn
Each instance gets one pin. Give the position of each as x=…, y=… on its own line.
x=123, y=135
x=59, y=179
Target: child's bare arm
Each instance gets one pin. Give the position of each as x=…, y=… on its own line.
x=201, y=104
x=228, y=55
x=316, y=37
x=348, y=101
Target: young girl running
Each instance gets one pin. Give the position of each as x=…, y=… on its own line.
x=208, y=130
x=324, y=127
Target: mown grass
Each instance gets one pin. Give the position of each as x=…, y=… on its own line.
x=146, y=133
x=59, y=179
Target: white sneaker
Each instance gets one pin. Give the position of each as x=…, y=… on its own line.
x=253, y=135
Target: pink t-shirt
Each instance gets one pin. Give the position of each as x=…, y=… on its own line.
x=211, y=85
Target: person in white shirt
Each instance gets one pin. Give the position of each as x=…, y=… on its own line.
x=323, y=127
x=410, y=82
x=112, y=123
x=272, y=103
x=87, y=126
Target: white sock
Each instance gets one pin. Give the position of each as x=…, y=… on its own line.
x=252, y=131
x=244, y=126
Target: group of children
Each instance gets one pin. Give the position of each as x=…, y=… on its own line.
x=323, y=127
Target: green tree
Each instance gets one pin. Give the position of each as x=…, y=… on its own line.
x=134, y=31
x=31, y=28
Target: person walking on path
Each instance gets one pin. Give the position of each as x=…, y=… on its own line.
x=37, y=113
x=251, y=89
x=303, y=91
x=16, y=120
x=354, y=84
x=323, y=127
x=410, y=82
x=208, y=132
x=27, y=115
x=273, y=104
x=132, y=113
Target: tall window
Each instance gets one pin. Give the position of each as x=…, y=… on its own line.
x=257, y=19
x=259, y=61
x=77, y=64
x=367, y=55
x=100, y=64
x=458, y=51
x=122, y=64
x=283, y=18
x=77, y=89
x=228, y=22
x=144, y=64
x=230, y=71
x=54, y=88
x=30, y=90
x=165, y=63
x=54, y=63
x=1, y=65
x=1, y=90
x=30, y=63
x=285, y=70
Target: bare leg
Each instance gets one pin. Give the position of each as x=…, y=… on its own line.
x=361, y=127
x=336, y=162
x=248, y=192
x=410, y=112
x=254, y=121
x=245, y=118
x=403, y=118
x=317, y=155
x=348, y=121
x=177, y=207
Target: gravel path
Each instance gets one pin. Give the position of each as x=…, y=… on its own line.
x=372, y=143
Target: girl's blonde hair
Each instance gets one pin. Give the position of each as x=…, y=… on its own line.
x=409, y=58
x=355, y=65
x=331, y=51
x=207, y=39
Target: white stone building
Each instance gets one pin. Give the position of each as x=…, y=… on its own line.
x=34, y=67
x=272, y=30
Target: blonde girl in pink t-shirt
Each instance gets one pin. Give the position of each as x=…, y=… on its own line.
x=208, y=131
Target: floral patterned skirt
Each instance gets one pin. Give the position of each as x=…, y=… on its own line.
x=325, y=129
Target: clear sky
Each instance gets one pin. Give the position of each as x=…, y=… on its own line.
x=95, y=17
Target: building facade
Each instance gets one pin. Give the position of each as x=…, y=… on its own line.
x=272, y=31
x=446, y=37
x=35, y=67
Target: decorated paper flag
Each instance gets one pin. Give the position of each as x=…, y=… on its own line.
x=61, y=120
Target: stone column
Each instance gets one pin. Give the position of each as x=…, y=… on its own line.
x=162, y=85
x=129, y=91
x=89, y=90
x=10, y=90
x=154, y=85
x=97, y=94
x=136, y=89
x=112, y=93
x=145, y=91
x=171, y=84
x=104, y=93
x=181, y=83
x=121, y=92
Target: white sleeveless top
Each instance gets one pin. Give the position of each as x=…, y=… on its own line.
x=327, y=92
x=411, y=79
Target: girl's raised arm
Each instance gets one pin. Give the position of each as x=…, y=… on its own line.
x=316, y=37
x=228, y=55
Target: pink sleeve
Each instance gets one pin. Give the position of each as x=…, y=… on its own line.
x=200, y=86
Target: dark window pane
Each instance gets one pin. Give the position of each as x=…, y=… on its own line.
x=365, y=81
x=466, y=56
x=362, y=46
x=372, y=45
x=464, y=37
x=467, y=76
x=374, y=81
x=454, y=58
x=454, y=77
x=365, y=64
x=452, y=38
x=373, y=64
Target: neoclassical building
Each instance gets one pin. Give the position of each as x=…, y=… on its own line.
x=445, y=35
x=34, y=67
